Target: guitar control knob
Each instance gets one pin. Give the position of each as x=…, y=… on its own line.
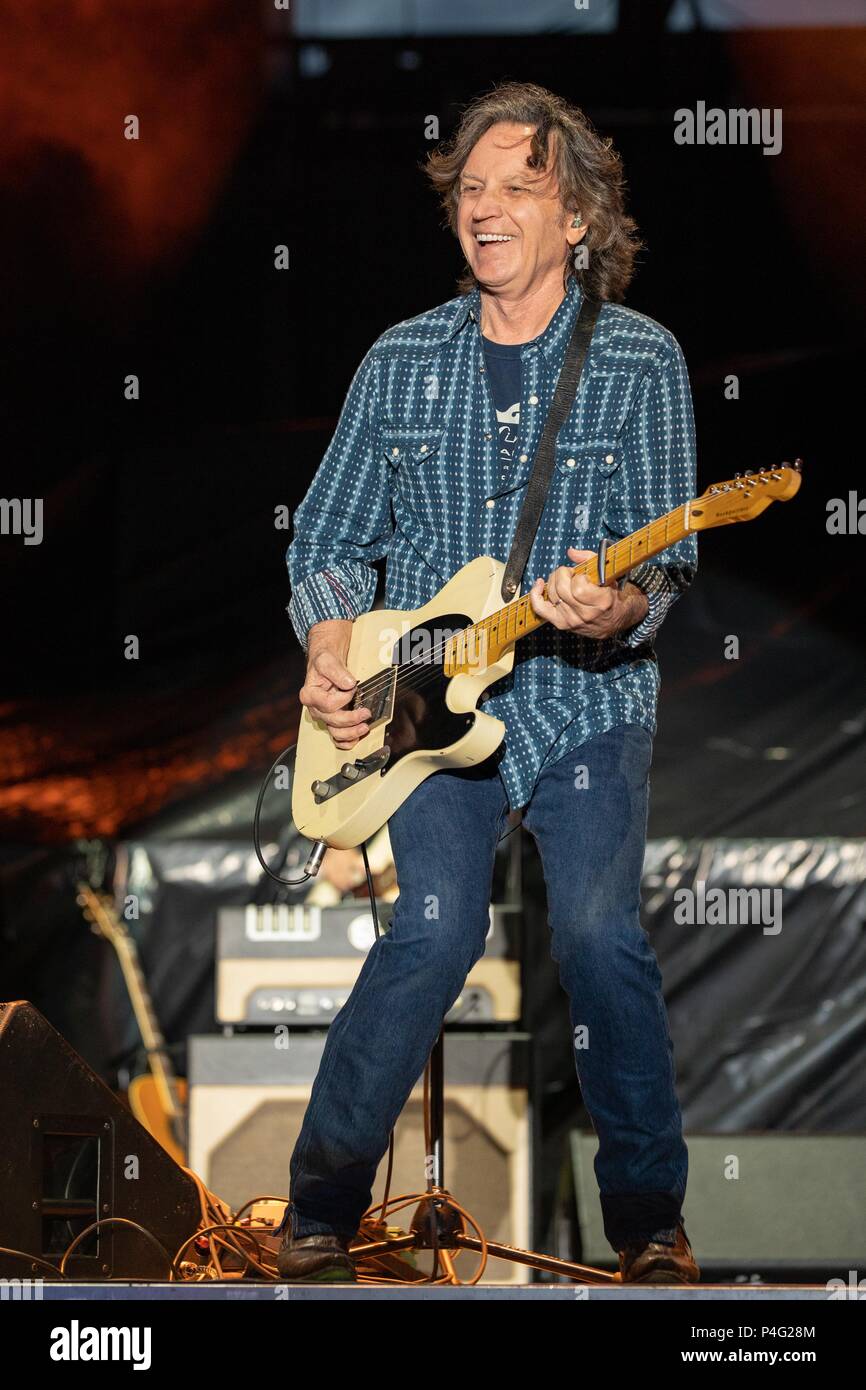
x=351, y=772
x=322, y=790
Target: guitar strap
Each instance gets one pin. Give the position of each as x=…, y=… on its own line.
x=542, y=467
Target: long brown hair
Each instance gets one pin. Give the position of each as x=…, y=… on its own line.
x=588, y=171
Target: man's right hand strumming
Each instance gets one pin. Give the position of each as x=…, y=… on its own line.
x=329, y=685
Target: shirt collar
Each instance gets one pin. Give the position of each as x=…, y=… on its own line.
x=552, y=342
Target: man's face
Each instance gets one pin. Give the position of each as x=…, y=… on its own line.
x=501, y=196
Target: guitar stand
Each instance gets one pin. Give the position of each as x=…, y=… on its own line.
x=439, y=1224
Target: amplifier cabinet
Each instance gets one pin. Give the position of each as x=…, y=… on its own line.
x=248, y=1098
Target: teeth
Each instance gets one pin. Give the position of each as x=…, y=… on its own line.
x=490, y=236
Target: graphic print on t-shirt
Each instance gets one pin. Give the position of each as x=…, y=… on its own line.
x=509, y=438
x=504, y=372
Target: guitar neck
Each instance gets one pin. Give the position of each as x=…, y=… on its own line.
x=151, y=1034
x=486, y=641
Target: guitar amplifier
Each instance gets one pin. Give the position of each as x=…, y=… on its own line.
x=247, y=1104
x=297, y=964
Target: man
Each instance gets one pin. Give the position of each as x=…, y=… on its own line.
x=428, y=466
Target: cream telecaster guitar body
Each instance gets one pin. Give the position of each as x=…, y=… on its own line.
x=421, y=672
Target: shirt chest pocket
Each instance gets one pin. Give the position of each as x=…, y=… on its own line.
x=411, y=447
x=582, y=479
x=591, y=461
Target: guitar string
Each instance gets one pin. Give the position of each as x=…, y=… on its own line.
x=379, y=683
x=425, y=668
x=423, y=671
x=376, y=684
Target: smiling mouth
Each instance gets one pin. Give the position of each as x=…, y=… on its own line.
x=492, y=239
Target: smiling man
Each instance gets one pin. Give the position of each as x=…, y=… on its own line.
x=428, y=467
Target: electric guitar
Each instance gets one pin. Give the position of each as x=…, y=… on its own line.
x=421, y=672
x=158, y=1099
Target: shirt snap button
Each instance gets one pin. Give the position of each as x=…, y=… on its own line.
x=524, y=458
x=394, y=453
x=608, y=458
x=423, y=448
x=490, y=502
x=533, y=400
x=570, y=463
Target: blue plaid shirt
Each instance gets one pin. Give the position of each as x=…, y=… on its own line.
x=413, y=474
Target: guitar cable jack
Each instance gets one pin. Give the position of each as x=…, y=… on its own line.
x=314, y=863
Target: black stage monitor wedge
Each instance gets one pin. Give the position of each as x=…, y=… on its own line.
x=71, y=1154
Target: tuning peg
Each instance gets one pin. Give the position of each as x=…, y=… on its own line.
x=798, y=464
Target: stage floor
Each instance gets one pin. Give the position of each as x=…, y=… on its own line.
x=247, y=1291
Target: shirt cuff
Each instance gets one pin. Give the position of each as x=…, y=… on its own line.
x=319, y=599
x=661, y=592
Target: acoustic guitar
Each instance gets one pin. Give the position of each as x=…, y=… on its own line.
x=421, y=672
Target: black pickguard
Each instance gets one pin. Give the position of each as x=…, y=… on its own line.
x=421, y=718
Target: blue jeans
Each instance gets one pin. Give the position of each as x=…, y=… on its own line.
x=590, y=828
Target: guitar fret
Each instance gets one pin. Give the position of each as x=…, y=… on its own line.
x=483, y=642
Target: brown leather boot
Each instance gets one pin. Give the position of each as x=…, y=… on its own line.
x=665, y=1259
x=322, y=1259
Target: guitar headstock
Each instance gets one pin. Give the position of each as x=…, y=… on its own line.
x=98, y=909
x=745, y=496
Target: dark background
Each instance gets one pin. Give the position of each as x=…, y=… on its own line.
x=156, y=257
